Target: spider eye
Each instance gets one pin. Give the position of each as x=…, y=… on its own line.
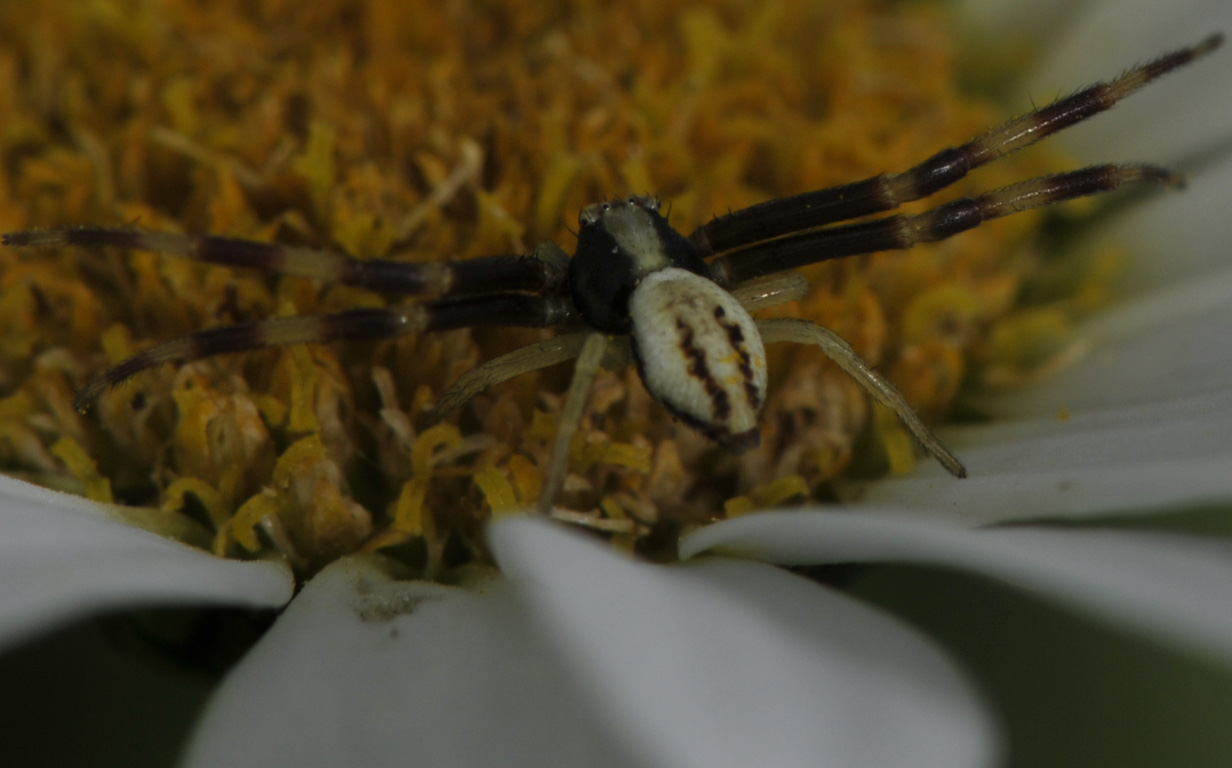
x=589, y=215
x=605, y=207
x=645, y=202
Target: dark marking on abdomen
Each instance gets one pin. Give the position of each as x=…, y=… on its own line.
x=736, y=337
x=700, y=370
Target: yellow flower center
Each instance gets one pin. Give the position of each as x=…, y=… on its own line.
x=433, y=131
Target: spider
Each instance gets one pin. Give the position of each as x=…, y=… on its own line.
x=636, y=290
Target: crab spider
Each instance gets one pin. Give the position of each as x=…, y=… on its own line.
x=636, y=290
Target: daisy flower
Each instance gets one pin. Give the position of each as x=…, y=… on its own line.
x=916, y=620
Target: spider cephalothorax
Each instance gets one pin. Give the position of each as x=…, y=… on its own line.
x=641, y=291
x=619, y=243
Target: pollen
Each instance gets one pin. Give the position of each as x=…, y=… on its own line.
x=427, y=132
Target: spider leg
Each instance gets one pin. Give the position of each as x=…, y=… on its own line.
x=770, y=291
x=503, y=309
x=589, y=360
x=546, y=353
x=545, y=269
x=902, y=231
x=834, y=347
x=886, y=192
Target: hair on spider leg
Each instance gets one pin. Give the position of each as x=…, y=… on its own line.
x=637, y=290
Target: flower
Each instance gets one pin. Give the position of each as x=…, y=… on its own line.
x=578, y=655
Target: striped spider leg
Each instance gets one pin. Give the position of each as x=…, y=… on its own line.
x=519, y=291
x=679, y=308
x=878, y=194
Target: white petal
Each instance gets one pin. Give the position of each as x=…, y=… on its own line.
x=1175, y=238
x=1168, y=586
x=738, y=663
x=60, y=560
x=365, y=671
x=1148, y=413
x=1122, y=460
x=1172, y=345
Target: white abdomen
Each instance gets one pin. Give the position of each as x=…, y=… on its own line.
x=699, y=354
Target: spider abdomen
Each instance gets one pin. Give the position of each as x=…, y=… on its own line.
x=699, y=353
